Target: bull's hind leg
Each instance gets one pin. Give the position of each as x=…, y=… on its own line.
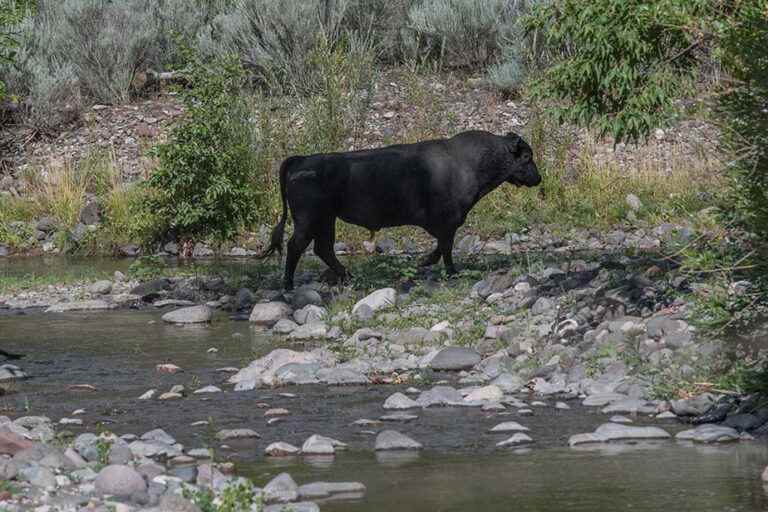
x=296, y=246
x=445, y=245
x=325, y=236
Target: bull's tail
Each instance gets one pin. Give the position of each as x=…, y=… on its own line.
x=276, y=239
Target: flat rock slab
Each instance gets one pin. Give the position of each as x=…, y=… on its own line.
x=709, y=433
x=603, y=399
x=377, y=301
x=629, y=406
x=318, y=490
x=236, y=433
x=515, y=440
x=190, y=315
x=455, y=358
x=81, y=305
x=394, y=440
x=399, y=416
x=616, y=432
x=440, y=395
x=509, y=426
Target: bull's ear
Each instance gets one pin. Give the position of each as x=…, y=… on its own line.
x=514, y=143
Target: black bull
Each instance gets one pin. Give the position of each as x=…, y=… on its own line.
x=432, y=184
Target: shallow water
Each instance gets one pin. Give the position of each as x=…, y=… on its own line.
x=459, y=470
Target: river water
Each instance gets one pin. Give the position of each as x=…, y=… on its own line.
x=459, y=470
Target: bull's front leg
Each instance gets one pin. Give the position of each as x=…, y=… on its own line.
x=431, y=258
x=445, y=246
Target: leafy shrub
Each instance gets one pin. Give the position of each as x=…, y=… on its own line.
x=623, y=63
x=202, y=185
x=743, y=105
x=11, y=14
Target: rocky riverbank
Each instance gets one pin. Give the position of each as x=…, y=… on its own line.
x=612, y=333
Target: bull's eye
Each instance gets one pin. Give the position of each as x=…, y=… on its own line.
x=525, y=158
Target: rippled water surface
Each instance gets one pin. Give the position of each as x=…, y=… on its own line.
x=459, y=470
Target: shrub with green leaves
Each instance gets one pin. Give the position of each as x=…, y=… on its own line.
x=624, y=63
x=202, y=187
x=11, y=14
x=744, y=107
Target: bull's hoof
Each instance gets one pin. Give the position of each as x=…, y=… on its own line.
x=332, y=278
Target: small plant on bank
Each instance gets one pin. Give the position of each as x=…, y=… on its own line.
x=202, y=187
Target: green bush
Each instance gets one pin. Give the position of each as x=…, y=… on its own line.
x=11, y=14
x=623, y=63
x=202, y=187
x=744, y=107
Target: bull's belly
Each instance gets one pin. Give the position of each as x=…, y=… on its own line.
x=375, y=224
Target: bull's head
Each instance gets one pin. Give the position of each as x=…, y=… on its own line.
x=521, y=167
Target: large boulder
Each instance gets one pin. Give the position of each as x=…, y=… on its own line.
x=709, y=433
x=191, y=315
x=264, y=371
x=268, y=313
x=377, y=301
x=281, y=489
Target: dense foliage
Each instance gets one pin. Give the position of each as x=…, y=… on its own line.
x=744, y=108
x=202, y=185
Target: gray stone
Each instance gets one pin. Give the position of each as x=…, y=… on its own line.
x=281, y=489
x=338, y=376
x=318, y=490
x=119, y=480
x=8, y=469
x=37, y=475
x=695, y=406
x=284, y=326
x=509, y=426
x=244, y=299
x=268, y=313
x=618, y=432
x=603, y=399
x=379, y=300
x=455, y=358
x=319, y=445
x=709, y=433
x=304, y=297
x=439, y=395
x=399, y=401
x=87, y=446
x=46, y=224
x=190, y=315
x=81, y=305
x=297, y=374
x=281, y=449
x=103, y=287
x=542, y=305
x=301, y=506
x=508, y=383
x=515, y=440
x=399, y=416
x=310, y=331
x=393, y=440
x=90, y=214
x=159, y=435
x=629, y=406
x=309, y=313
x=236, y=433
x=634, y=202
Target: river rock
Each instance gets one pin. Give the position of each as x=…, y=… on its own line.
x=8, y=469
x=263, y=371
x=190, y=315
x=103, y=287
x=207, y=389
x=515, y=440
x=393, y=440
x=281, y=489
x=455, y=358
x=236, y=433
x=338, y=376
x=284, y=326
x=11, y=372
x=399, y=401
x=309, y=314
x=629, y=406
x=268, y=313
x=617, y=432
x=695, y=406
x=300, y=506
x=490, y=393
x=603, y=399
x=81, y=305
x=281, y=449
x=11, y=443
x=508, y=383
x=310, y=331
x=304, y=297
x=318, y=490
x=709, y=433
x=297, y=374
x=509, y=426
x=37, y=475
x=377, y=301
x=119, y=480
x=318, y=445
x=398, y=416
x=439, y=395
